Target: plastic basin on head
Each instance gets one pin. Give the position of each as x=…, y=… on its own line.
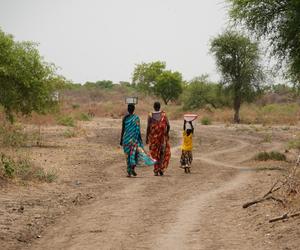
x=190, y=117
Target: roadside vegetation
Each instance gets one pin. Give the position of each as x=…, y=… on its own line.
x=23, y=169
x=273, y=155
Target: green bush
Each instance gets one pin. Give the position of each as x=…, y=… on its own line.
x=8, y=166
x=84, y=117
x=27, y=82
x=277, y=156
x=200, y=93
x=206, y=121
x=262, y=156
x=273, y=155
x=69, y=133
x=66, y=121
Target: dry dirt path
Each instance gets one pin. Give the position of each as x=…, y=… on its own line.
x=201, y=210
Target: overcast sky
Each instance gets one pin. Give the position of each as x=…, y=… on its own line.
x=103, y=39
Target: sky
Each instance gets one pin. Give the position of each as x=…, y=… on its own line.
x=92, y=40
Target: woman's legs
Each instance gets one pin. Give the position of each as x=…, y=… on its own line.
x=155, y=154
x=161, y=153
x=130, y=167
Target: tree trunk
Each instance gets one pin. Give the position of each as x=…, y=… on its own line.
x=236, y=107
x=165, y=100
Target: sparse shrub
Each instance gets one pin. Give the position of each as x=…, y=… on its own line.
x=277, y=156
x=262, y=156
x=24, y=170
x=267, y=138
x=12, y=135
x=46, y=176
x=273, y=155
x=84, y=117
x=206, y=121
x=294, y=144
x=75, y=106
x=66, y=121
x=69, y=133
x=8, y=166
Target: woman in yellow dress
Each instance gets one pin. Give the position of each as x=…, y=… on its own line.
x=187, y=146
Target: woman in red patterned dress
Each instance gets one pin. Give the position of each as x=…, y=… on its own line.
x=158, y=139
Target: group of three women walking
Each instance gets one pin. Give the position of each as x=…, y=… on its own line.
x=157, y=137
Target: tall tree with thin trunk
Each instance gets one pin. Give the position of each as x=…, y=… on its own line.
x=238, y=61
x=276, y=21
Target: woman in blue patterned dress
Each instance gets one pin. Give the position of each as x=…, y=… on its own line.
x=132, y=143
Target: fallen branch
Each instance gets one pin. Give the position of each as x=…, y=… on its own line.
x=266, y=196
x=248, y=204
x=284, y=217
x=273, y=189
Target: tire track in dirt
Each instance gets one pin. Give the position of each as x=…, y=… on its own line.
x=136, y=214
x=189, y=217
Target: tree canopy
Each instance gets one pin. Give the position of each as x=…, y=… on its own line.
x=27, y=82
x=276, y=20
x=237, y=59
x=145, y=75
x=200, y=92
x=106, y=84
x=153, y=78
x=168, y=86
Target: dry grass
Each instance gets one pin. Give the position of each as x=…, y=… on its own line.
x=110, y=103
x=16, y=167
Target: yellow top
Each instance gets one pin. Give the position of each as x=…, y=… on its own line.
x=187, y=144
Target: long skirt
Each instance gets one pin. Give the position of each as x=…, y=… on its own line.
x=162, y=153
x=186, y=158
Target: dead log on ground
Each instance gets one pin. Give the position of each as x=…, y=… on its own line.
x=284, y=217
x=266, y=196
x=248, y=204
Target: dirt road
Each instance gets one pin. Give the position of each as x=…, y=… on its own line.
x=201, y=210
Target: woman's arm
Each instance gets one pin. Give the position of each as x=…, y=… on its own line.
x=148, y=129
x=140, y=134
x=168, y=126
x=192, y=127
x=123, y=129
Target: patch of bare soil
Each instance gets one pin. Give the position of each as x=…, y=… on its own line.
x=93, y=205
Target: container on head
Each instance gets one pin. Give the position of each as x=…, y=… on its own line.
x=190, y=117
x=131, y=100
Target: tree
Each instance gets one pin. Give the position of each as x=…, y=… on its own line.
x=237, y=59
x=201, y=92
x=107, y=84
x=278, y=21
x=26, y=81
x=104, y=84
x=145, y=75
x=168, y=86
